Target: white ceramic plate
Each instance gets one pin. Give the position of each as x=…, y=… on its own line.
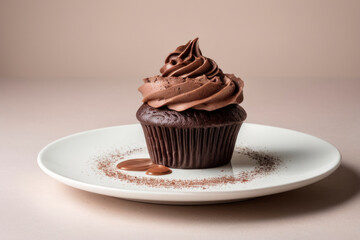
x=304, y=160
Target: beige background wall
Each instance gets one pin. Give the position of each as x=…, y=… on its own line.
x=128, y=40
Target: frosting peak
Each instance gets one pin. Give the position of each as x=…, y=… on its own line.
x=188, y=61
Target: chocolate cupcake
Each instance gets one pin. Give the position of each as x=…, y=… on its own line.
x=190, y=114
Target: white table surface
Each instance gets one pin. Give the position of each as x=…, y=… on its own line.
x=35, y=206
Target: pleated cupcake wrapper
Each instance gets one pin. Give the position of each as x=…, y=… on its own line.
x=191, y=147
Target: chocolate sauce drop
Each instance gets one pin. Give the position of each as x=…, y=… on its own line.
x=144, y=164
x=158, y=170
x=141, y=164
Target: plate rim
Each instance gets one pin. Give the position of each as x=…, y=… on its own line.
x=276, y=188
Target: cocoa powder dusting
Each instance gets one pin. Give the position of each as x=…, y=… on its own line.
x=264, y=165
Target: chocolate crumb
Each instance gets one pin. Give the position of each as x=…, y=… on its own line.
x=265, y=164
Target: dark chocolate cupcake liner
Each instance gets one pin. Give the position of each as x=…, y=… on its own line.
x=191, y=147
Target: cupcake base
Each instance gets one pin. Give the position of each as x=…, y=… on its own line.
x=191, y=147
x=193, y=138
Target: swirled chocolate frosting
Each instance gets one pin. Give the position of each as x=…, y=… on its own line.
x=190, y=80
